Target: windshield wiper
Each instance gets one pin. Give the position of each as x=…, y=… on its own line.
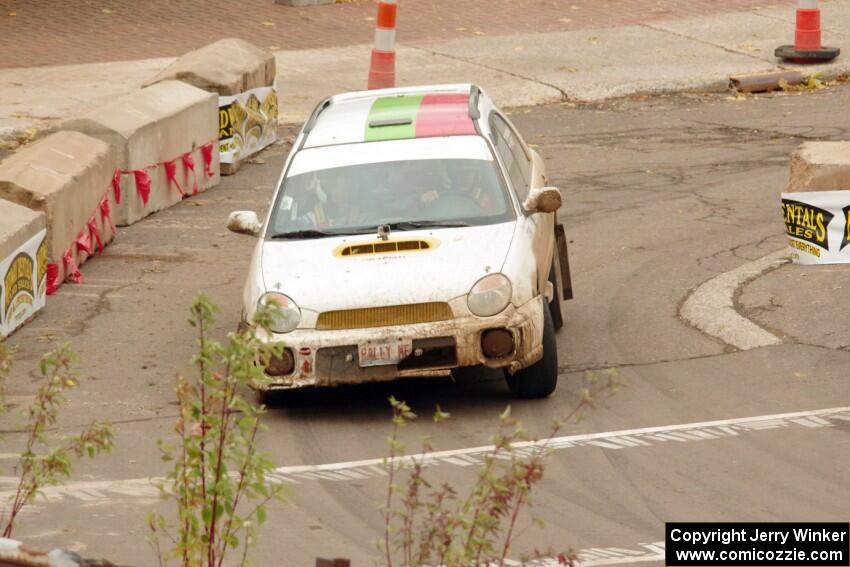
x=413, y=225
x=311, y=233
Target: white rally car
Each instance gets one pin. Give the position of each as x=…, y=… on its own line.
x=411, y=234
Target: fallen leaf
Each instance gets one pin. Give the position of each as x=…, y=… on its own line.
x=268, y=24
x=12, y=14
x=747, y=46
x=593, y=39
x=107, y=11
x=460, y=29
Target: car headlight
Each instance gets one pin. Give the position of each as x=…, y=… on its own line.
x=285, y=314
x=490, y=295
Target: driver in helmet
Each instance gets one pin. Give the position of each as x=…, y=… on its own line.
x=464, y=181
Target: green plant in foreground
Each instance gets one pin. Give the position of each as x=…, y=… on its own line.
x=40, y=463
x=218, y=481
x=438, y=526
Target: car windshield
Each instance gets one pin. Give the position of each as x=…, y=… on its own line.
x=405, y=194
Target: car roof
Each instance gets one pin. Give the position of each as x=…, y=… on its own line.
x=394, y=114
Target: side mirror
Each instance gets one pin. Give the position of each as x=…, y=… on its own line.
x=543, y=200
x=244, y=222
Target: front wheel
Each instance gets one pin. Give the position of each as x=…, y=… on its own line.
x=539, y=379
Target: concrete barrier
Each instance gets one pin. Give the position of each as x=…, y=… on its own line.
x=820, y=166
x=66, y=176
x=163, y=129
x=23, y=264
x=227, y=67
x=243, y=75
x=816, y=204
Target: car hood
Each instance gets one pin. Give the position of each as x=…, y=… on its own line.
x=316, y=275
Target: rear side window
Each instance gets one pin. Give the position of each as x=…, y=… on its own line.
x=512, y=154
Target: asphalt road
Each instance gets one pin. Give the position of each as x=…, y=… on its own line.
x=661, y=194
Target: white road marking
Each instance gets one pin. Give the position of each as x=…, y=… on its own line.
x=144, y=488
x=599, y=556
x=711, y=309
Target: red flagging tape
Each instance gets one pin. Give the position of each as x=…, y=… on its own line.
x=116, y=185
x=143, y=184
x=83, y=242
x=52, y=278
x=171, y=175
x=105, y=213
x=88, y=238
x=94, y=233
x=206, y=153
x=72, y=272
x=189, y=165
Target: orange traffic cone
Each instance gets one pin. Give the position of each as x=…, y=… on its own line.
x=382, y=65
x=807, y=47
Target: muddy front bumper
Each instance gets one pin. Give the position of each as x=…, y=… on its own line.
x=331, y=358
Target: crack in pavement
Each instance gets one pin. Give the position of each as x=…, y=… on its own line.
x=705, y=42
x=591, y=367
x=564, y=96
x=102, y=306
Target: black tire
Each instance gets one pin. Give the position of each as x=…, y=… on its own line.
x=262, y=396
x=539, y=379
x=556, y=306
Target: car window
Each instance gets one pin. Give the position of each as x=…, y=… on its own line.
x=359, y=196
x=511, y=151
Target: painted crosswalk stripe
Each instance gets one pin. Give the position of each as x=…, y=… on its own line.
x=372, y=468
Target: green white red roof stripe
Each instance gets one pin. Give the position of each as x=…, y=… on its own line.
x=437, y=114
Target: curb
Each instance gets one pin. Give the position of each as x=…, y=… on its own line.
x=711, y=306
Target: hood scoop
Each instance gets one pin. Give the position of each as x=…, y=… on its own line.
x=386, y=247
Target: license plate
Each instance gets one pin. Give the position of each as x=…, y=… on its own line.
x=384, y=352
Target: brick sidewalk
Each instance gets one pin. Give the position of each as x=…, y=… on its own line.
x=50, y=32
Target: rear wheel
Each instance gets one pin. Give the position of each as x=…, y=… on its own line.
x=556, y=306
x=539, y=379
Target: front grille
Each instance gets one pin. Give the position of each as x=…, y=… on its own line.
x=384, y=316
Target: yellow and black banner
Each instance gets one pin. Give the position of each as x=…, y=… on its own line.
x=818, y=226
x=247, y=123
x=21, y=293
